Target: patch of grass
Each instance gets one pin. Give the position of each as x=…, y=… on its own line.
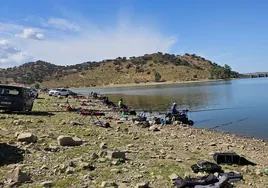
x=67, y=182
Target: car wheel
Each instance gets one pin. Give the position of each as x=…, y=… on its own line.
x=31, y=108
x=24, y=109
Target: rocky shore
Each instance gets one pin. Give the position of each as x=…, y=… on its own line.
x=54, y=148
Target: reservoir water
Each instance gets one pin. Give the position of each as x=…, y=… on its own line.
x=236, y=106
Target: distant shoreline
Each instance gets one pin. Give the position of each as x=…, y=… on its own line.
x=148, y=84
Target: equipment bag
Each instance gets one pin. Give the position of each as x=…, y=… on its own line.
x=205, y=166
x=226, y=158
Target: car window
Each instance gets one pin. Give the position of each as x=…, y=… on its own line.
x=63, y=90
x=9, y=91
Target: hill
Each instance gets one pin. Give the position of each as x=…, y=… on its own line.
x=156, y=67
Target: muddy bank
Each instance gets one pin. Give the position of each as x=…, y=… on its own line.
x=123, y=155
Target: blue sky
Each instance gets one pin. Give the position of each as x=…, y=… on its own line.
x=69, y=32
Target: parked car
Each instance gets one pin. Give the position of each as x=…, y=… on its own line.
x=15, y=98
x=44, y=90
x=59, y=92
x=34, y=92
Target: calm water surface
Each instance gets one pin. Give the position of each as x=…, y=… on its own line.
x=237, y=106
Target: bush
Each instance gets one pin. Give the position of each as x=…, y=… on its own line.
x=37, y=86
x=157, y=76
x=117, y=68
x=148, y=58
x=124, y=59
x=129, y=66
x=139, y=69
x=117, y=62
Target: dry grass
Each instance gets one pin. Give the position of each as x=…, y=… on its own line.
x=108, y=74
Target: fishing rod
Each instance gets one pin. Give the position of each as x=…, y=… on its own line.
x=229, y=123
x=204, y=110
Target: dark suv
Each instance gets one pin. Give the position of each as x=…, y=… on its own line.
x=15, y=98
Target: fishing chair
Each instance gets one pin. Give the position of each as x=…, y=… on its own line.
x=92, y=114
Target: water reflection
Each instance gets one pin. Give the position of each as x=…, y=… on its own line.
x=162, y=96
x=192, y=96
x=245, y=99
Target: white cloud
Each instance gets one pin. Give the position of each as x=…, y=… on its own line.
x=90, y=42
x=30, y=34
x=63, y=24
x=10, y=55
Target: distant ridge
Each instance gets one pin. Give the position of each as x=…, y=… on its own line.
x=156, y=67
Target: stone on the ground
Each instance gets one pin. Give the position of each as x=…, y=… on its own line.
x=102, y=160
x=173, y=176
x=69, y=141
x=63, y=122
x=116, y=155
x=258, y=172
x=75, y=123
x=115, y=170
x=53, y=148
x=94, y=156
x=212, y=144
x=108, y=184
x=142, y=185
x=142, y=124
x=245, y=169
x=44, y=167
x=103, y=145
x=18, y=122
x=123, y=185
x=26, y=137
x=130, y=145
x=47, y=184
x=86, y=166
x=70, y=170
x=16, y=176
x=102, y=153
x=154, y=128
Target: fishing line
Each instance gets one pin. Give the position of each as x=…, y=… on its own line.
x=229, y=123
x=205, y=110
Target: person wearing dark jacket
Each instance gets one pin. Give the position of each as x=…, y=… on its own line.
x=173, y=109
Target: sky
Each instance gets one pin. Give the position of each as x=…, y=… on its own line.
x=65, y=32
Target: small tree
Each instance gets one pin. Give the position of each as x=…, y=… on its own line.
x=227, y=71
x=37, y=86
x=157, y=76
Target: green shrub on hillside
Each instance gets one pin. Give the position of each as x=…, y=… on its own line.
x=157, y=77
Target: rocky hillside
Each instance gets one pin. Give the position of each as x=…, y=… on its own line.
x=157, y=67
